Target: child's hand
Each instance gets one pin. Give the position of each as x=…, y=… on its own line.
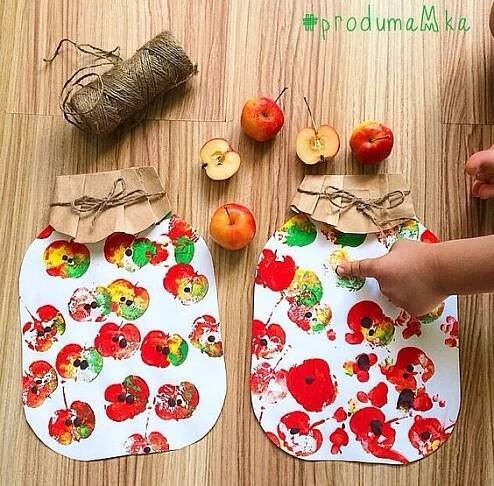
x=407, y=276
x=480, y=166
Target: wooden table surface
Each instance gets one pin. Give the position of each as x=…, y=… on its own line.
x=433, y=89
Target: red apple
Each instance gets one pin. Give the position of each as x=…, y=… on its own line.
x=72, y=424
x=39, y=382
x=311, y=385
x=273, y=273
x=160, y=349
x=127, y=399
x=176, y=402
x=154, y=442
x=119, y=342
x=262, y=118
x=371, y=142
x=297, y=435
x=232, y=226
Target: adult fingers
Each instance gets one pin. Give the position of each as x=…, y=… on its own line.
x=478, y=161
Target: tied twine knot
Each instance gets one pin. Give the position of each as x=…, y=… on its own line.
x=344, y=200
x=118, y=196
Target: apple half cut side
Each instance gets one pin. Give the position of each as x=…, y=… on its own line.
x=219, y=159
x=315, y=147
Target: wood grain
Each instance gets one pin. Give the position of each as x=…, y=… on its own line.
x=428, y=87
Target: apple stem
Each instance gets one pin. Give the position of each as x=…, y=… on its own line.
x=310, y=114
x=29, y=312
x=229, y=216
x=65, y=398
x=280, y=95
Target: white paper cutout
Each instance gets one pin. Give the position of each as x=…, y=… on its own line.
x=130, y=342
x=338, y=372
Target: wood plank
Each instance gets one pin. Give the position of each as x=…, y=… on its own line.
x=467, y=68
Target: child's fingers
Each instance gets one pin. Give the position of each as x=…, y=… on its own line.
x=479, y=162
x=475, y=188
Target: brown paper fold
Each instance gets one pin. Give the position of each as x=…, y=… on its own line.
x=130, y=218
x=310, y=199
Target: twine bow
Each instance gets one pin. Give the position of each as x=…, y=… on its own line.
x=343, y=199
x=116, y=197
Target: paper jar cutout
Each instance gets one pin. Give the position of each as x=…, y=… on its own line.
x=121, y=344
x=338, y=372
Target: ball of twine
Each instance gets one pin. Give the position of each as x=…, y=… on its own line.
x=99, y=103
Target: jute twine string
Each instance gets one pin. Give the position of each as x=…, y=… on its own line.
x=118, y=196
x=344, y=200
x=99, y=103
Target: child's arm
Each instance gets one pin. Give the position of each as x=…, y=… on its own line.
x=418, y=276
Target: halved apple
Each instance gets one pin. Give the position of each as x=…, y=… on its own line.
x=318, y=146
x=219, y=159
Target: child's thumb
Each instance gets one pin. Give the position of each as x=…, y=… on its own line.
x=359, y=268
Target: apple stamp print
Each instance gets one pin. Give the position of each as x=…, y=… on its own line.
x=337, y=371
x=122, y=339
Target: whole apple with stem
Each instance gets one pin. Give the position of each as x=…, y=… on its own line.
x=262, y=118
x=371, y=142
x=232, y=226
x=317, y=144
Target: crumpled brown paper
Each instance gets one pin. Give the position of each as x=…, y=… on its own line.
x=131, y=218
x=310, y=199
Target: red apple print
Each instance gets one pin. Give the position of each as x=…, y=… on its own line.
x=118, y=342
x=451, y=329
x=205, y=336
x=154, y=442
x=184, y=283
x=160, y=349
x=73, y=423
x=42, y=331
x=127, y=399
x=378, y=395
x=375, y=434
x=360, y=366
x=45, y=233
x=38, y=383
x=340, y=414
x=275, y=274
x=77, y=363
x=298, y=436
x=268, y=383
x=429, y=237
x=411, y=363
x=267, y=340
x=367, y=321
x=272, y=437
x=338, y=439
x=311, y=385
x=427, y=434
x=176, y=402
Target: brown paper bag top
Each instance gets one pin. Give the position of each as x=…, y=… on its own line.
x=316, y=198
x=94, y=226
